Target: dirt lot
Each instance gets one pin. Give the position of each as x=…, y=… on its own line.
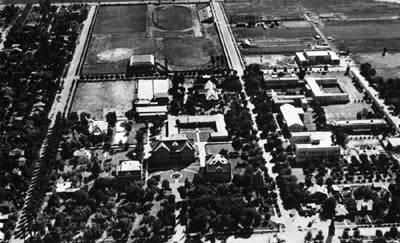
x=271, y=61
x=167, y=31
x=365, y=36
x=275, y=41
x=387, y=66
x=94, y=96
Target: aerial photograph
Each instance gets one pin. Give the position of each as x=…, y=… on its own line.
x=191, y=121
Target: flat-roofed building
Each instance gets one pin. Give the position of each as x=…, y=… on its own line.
x=314, y=146
x=153, y=90
x=274, y=81
x=144, y=113
x=295, y=100
x=292, y=118
x=315, y=86
x=361, y=126
x=141, y=64
x=129, y=170
x=316, y=57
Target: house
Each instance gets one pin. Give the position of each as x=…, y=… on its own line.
x=314, y=146
x=82, y=155
x=218, y=169
x=129, y=170
x=292, y=118
x=171, y=152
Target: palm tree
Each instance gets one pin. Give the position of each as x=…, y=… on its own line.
x=328, y=212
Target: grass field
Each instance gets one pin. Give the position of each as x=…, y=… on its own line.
x=166, y=31
x=365, y=36
x=387, y=66
x=94, y=96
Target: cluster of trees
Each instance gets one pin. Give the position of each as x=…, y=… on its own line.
x=9, y=13
x=30, y=74
x=239, y=122
x=254, y=80
x=228, y=207
x=319, y=237
x=232, y=83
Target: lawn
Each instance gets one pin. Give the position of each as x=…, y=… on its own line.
x=92, y=97
x=169, y=32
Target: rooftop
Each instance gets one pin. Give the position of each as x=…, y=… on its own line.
x=217, y=159
x=395, y=142
x=141, y=59
x=153, y=88
x=324, y=138
x=130, y=165
x=359, y=122
x=290, y=115
x=218, y=119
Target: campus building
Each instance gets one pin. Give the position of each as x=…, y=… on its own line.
x=129, y=170
x=295, y=100
x=277, y=82
x=152, y=92
x=361, y=126
x=314, y=146
x=146, y=113
x=171, y=152
x=218, y=169
x=215, y=124
x=141, y=64
x=292, y=118
x=326, y=91
x=316, y=57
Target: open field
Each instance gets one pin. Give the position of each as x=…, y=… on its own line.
x=274, y=41
x=364, y=36
x=171, y=32
x=271, y=8
x=353, y=9
x=94, y=96
x=387, y=66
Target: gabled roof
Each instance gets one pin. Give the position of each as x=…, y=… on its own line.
x=217, y=159
x=174, y=143
x=210, y=85
x=290, y=115
x=212, y=95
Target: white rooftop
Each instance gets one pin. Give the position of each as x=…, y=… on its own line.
x=359, y=122
x=151, y=88
x=316, y=53
x=130, y=165
x=152, y=109
x=290, y=115
x=395, y=142
x=217, y=158
x=141, y=59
